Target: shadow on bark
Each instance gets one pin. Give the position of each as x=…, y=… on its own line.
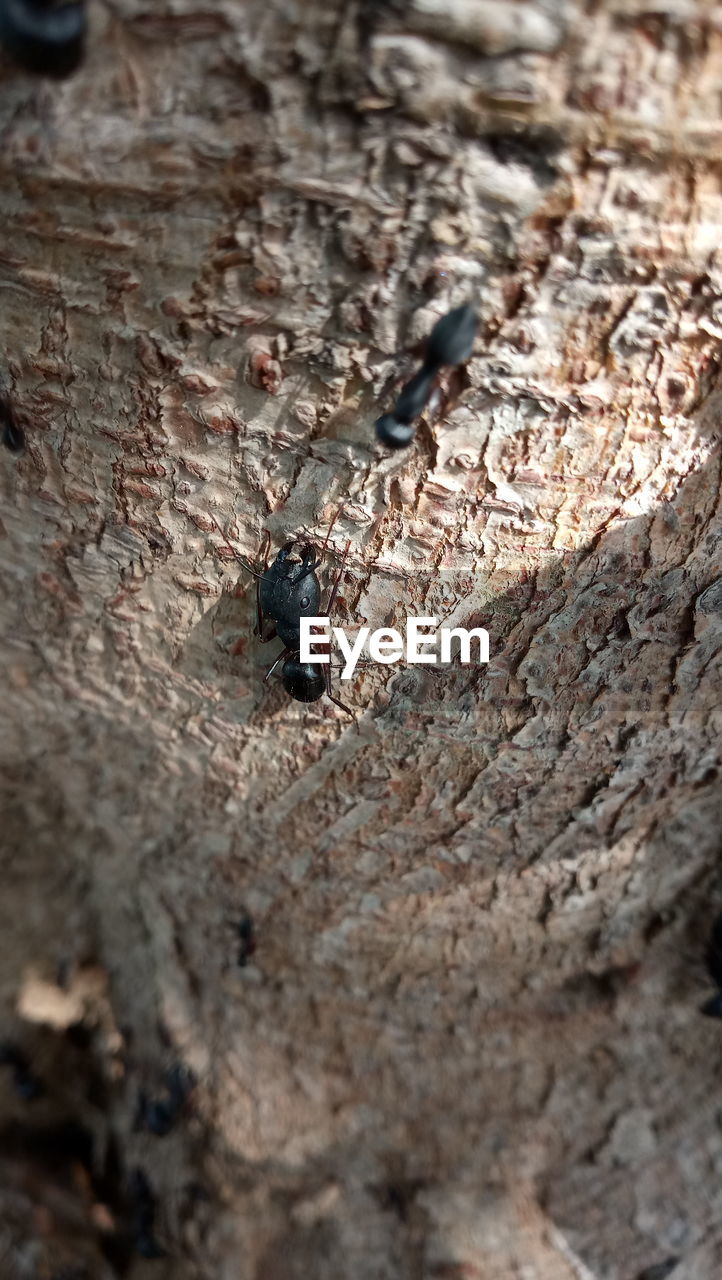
x=429, y=1009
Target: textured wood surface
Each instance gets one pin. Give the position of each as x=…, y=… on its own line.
x=467, y=1044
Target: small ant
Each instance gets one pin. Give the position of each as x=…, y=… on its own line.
x=246, y=939
x=450, y=343
x=659, y=1270
x=13, y=436
x=159, y=1115
x=26, y=1084
x=287, y=591
x=43, y=37
x=143, y=1211
x=712, y=1008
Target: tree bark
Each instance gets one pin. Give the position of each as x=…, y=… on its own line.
x=467, y=1043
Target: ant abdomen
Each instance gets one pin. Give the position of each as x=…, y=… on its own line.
x=303, y=681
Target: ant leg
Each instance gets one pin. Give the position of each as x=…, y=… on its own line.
x=339, y=575
x=318, y=556
x=327, y=670
x=265, y=546
x=284, y=654
x=258, y=629
x=331, y=600
x=259, y=611
x=337, y=701
x=244, y=563
x=259, y=576
x=308, y=564
x=328, y=531
x=311, y=559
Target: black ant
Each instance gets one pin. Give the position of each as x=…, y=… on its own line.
x=25, y=1082
x=246, y=939
x=143, y=1211
x=13, y=436
x=287, y=591
x=158, y=1115
x=43, y=36
x=450, y=342
x=713, y=959
x=659, y=1270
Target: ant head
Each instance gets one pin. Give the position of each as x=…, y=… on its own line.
x=290, y=590
x=288, y=565
x=392, y=433
x=298, y=574
x=303, y=681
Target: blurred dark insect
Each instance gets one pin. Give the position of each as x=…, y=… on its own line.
x=159, y=1115
x=143, y=1211
x=26, y=1083
x=450, y=342
x=46, y=37
x=13, y=436
x=660, y=1270
x=247, y=939
x=712, y=1008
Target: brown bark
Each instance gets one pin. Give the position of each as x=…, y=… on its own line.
x=467, y=1043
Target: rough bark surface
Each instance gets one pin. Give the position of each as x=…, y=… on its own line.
x=467, y=1043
